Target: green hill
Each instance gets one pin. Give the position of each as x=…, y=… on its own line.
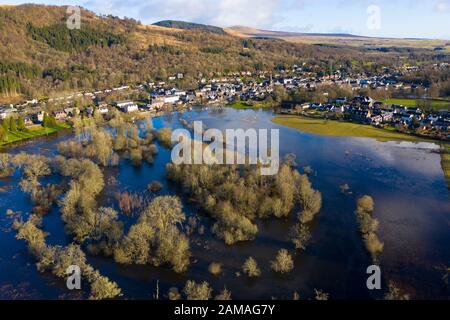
x=189, y=26
x=39, y=56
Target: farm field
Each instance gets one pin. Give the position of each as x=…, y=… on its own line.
x=340, y=129
x=436, y=104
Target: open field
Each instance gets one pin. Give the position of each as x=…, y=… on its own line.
x=32, y=132
x=341, y=129
x=434, y=103
x=248, y=105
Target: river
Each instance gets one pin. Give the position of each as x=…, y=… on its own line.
x=404, y=178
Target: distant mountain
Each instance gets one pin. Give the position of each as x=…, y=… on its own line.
x=40, y=56
x=277, y=34
x=189, y=26
x=335, y=39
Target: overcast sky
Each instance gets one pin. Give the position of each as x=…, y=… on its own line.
x=389, y=18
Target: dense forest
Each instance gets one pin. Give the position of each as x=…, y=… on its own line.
x=189, y=26
x=41, y=57
x=61, y=38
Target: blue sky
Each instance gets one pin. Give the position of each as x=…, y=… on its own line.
x=394, y=18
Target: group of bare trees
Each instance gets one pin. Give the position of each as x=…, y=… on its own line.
x=234, y=196
x=368, y=226
x=156, y=239
x=57, y=259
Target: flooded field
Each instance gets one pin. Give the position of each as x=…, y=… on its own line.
x=405, y=180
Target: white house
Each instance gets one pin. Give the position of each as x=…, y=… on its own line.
x=121, y=88
x=7, y=112
x=171, y=99
x=127, y=106
x=156, y=103
x=103, y=109
x=39, y=116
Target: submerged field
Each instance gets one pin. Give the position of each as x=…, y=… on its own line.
x=346, y=129
x=404, y=178
x=340, y=129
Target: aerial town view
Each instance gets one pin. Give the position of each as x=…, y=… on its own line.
x=225, y=150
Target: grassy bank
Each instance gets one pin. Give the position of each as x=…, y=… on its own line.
x=32, y=132
x=341, y=129
x=249, y=105
x=436, y=104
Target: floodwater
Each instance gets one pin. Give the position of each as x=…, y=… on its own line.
x=405, y=179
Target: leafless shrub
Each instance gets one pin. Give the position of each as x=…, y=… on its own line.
x=283, y=262
x=215, y=268
x=250, y=268
x=194, y=291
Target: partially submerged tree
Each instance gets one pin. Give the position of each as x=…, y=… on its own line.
x=236, y=195
x=164, y=137
x=6, y=168
x=300, y=236
x=283, y=262
x=102, y=288
x=310, y=199
x=197, y=291
x=395, y=293
x=250, y=268
x=215, y=268
x=320, y=295
x=368, y=225
x=173, y=294
x=79, y=204
x=57, y=259
x=155, y=239
x=224, y=295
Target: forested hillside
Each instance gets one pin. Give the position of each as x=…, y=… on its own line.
x=40, y=56
x=189, y=26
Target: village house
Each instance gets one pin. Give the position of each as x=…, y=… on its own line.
x=156, y=103
x=38, y=117
x=7, y=112
x=60, y=115
x=103, y=108
x=127, y=106
x=171, y=99
x=28, y=121
x=89, y=111
x=71, y=112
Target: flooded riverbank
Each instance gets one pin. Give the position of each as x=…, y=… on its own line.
x=404, y=178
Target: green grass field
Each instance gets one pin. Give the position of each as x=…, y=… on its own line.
x=32, y=132
x=248, y=105
x=436, y=104
x=341, y=129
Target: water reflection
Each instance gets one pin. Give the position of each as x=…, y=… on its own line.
x=404, y=178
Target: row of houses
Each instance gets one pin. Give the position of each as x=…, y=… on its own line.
x=368, y=111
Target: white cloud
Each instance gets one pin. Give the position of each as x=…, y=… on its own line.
x=442, y=6
x=219, y=12
x=234, y=12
